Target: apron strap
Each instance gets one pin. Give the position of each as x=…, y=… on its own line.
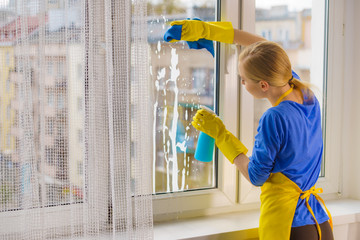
x=284, y=95
x=306, y=195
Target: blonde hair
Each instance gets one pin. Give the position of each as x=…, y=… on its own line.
x=268, y=61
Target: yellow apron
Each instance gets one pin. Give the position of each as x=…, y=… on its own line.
x=279, y=197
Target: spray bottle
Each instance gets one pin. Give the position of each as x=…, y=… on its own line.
x=205, y=146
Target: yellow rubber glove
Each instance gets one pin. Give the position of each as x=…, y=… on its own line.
x=209, y=123
x=193, y=30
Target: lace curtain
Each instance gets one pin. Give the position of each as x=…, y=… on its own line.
x=75, y=134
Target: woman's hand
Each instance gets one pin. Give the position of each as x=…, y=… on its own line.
x=208, y=122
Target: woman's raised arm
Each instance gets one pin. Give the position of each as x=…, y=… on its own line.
x=244, y=38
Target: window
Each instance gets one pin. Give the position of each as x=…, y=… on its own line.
x=60, y=101
x=50, y=97
x=212, y=184
x=50, y=124
x=60, y=69
x=266, y=34
x=50, y=155
x=50, y=66
x=241, y=112
x=182, y=80
x=80, y=168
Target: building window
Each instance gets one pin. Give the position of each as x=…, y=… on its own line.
x=16, y=119
x=266, y=34
x=80, y=168
x=50, y=125
x=50, y=67
x=60, y=69
x=50, y=155
x=50, y=98
x=60, y=101
x=283, y=35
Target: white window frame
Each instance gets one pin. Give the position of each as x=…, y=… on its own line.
x=225, y=196
x=234, y=192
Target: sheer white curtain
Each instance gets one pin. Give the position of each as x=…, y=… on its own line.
x=75, y=134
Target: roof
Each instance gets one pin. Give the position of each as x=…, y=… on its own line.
x=11, y=31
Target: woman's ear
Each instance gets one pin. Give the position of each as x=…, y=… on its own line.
x=264, y=85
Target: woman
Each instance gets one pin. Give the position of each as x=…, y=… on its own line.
x=287, y=153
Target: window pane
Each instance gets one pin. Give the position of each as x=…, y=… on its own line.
x=182, y=80
x=40, y=125
x=300, y=27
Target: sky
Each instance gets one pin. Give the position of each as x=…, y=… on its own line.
x=293, y=4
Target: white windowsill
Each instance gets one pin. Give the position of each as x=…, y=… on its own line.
x=344, y=211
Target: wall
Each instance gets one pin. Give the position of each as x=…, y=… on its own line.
x=351, y=117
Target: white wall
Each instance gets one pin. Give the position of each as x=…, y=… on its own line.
x=351, y=118
x=347, y=231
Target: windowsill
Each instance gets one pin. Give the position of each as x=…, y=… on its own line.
x=344, y=211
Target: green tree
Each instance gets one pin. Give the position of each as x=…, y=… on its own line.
x=165, y=7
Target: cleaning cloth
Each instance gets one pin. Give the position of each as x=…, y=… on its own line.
x=174, y=33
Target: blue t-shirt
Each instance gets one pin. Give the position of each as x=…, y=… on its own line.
x=289, y=140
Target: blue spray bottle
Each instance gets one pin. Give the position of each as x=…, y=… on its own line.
x=205, y=146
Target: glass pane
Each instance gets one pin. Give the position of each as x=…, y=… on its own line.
x=182, y=80
x=41, y=125
x=300, y=27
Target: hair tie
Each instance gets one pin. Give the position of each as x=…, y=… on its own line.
x=292, y=77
